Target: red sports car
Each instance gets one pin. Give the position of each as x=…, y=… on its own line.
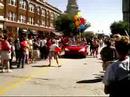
x=76, y=50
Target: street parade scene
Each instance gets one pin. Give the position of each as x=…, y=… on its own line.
x=49, y=48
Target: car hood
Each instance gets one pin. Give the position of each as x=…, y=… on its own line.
x=74, y=47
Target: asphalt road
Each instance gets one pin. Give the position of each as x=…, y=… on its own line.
x=76, y=77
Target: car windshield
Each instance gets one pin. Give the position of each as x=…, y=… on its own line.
x=76, y=44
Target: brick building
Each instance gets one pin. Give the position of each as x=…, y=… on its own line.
x=35, y=15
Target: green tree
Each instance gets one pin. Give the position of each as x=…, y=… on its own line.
x=65, y=24
x=120, y=27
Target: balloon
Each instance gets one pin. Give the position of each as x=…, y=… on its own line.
x=82, y=21
x=77, y=23
x=57, y=50
x=82, y=26
x=79, y=14
x=75, y=17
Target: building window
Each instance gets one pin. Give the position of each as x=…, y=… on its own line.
x=1, y=0
x=38, y=21
x=43, y=22
x=38, y=10
x=11, y=16
x=22, y=19
x=43, y=12
x=12, y=2
x=51, y=24
x=23, y=4
x=52, y=16
x=56, y=15
x=31, y=20
x=31, y=7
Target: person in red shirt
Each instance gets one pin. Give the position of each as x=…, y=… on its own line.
x=23, y=53
x=5, y=55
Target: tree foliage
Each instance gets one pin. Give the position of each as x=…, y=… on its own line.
x=120, y=27
x=65, y=24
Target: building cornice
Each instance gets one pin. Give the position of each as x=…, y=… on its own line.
x=49, y=6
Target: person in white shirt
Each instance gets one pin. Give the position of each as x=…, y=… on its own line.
x=53, y=53
x=43, y=52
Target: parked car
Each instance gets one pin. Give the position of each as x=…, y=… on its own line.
x=79, y=50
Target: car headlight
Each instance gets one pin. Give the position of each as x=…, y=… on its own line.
x=66, y=49
x=82, y=50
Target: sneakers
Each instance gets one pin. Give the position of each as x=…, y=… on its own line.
x=8, y=71
x=3, y=70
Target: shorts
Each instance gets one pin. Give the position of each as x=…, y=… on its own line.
x=53, y=54
x=5, y=55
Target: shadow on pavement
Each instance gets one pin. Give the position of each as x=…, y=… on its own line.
x=42, y=66
x=90, y=81
x=98, y=78
x=72, y=57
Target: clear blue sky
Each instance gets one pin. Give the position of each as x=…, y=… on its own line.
x=99, y=13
